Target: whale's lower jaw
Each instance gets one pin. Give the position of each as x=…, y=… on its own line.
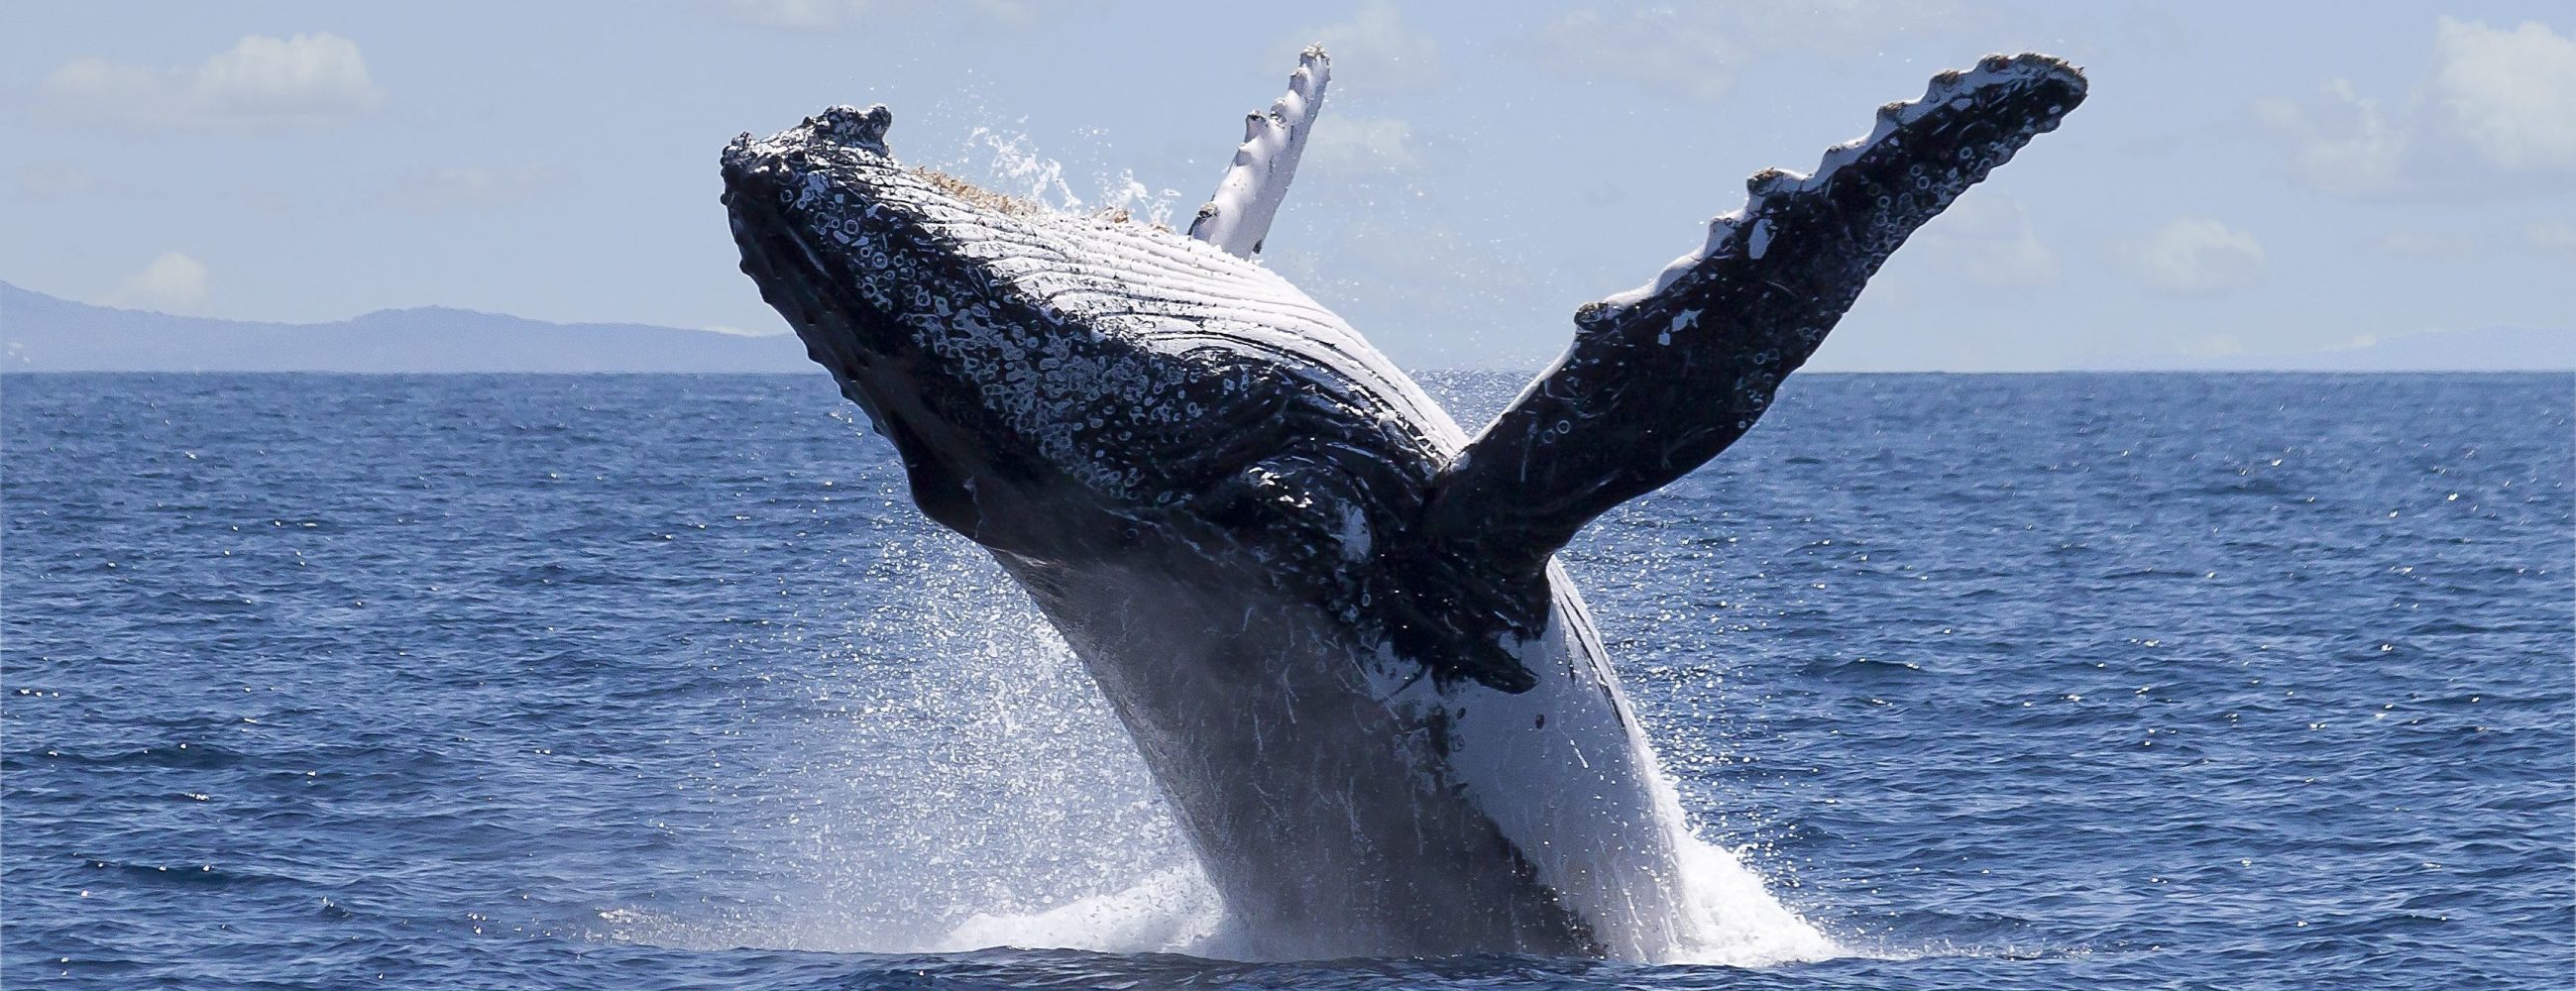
x=1340, y=814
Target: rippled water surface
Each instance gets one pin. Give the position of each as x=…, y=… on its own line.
x=636, y=682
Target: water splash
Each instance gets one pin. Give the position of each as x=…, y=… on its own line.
x=940, y=757
x=1734, y=920
x=958, y=783
x=1175, y=911
x=1011, y=166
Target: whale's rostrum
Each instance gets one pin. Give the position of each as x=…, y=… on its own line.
x=1332, y=624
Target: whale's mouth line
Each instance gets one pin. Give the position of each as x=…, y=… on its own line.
x=773, y=239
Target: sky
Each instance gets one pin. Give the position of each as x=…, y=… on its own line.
x=2245, y=179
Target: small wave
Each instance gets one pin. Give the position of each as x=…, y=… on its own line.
x=1864, y=669
x=189, y=756
x=207, y=876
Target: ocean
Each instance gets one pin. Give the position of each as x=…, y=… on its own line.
x=646, y=681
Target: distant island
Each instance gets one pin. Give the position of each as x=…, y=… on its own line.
x=2478, y=349
x=41, y=333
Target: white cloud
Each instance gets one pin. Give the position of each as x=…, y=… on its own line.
x=463, y=189
x=2195, y=256
x=2511, y=95
x=2342, y=142
x=172, y=283
x=2552, y=235
x=1695, y=50
x=308, y=81
x=2497, y=111
x=1374, y=50
x=1986, y=236
x=1359, y=144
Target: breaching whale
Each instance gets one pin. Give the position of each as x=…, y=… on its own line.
x=1331, y=622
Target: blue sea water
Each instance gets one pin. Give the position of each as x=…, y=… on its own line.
x=633, y=682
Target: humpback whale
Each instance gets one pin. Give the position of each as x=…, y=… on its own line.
x=1333, y=623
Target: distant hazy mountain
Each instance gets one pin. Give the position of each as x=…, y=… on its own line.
x=2484, y=349
x=42, y=333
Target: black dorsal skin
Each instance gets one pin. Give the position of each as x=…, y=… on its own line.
x=1330, y=622
x=1659, y=381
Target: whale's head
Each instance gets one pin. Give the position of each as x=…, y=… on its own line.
x=831, y=230
x=870, y=260
x=897, y=280
x=1044, y=373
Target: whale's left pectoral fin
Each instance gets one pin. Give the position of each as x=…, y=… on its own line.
x=1662, y=378
x=1238, y=216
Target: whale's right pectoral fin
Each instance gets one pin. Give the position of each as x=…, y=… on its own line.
x=1660, y=379
x=1237, y=218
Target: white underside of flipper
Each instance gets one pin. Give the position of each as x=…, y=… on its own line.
x=1238, y=216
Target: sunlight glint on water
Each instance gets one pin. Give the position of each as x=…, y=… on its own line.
x=2101, y=681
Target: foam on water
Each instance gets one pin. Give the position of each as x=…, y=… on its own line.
x=1175, y=911
x=1735, y=920
x=956, y=762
